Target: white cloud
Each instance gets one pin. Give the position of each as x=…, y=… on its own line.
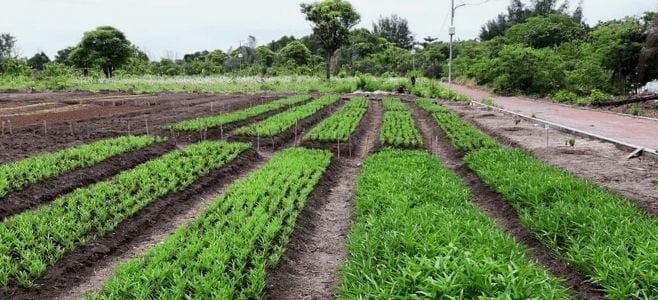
x=179, y=26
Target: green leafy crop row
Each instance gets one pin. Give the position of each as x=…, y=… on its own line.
x=398, y=127
x=286, y=120
x=224, y=253
x=463, y=136
x=342, y=124
x=36, y=239
x=607, y=238
x=418, y=236
x=241, y=115
x=21, y=173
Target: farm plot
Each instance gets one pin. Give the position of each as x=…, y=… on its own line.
x=241, y=115
x=286, y=120
x=342, y=124
x=398, y=127
x=19, y=174
x=607, y=238
x=417, y=235
x=38, y=238
x=225, y=252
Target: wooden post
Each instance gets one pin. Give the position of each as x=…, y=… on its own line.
x=3, y=127
x=71, y=128
x=147, y=126
x=11, y=130
x=296, y=133
x=45, y=128
x=129, y=128
x=338, y=149
x=221, y=131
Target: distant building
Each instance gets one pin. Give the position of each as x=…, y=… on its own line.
x=652, y=86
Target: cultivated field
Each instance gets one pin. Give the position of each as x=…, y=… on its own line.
x=283, y=196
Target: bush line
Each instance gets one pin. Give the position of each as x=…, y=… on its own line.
x=224, y=252
x=36, y=239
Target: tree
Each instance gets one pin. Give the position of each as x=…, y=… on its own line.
x=297, y=52
x=38, y=60
x=518, y=12
x=265, y=56
x=396, y=30
x=332, y=21
x=648, y=64
x=7, y=44
x=105, y=47
x=541, y=32
x=62, y=56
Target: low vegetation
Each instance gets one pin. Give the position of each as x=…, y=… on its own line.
x=19, y=174
x=199, y=124
x=286, y=120
x=225, y=251
x=398, y=127
x=36, y=239
x=417, y=235
x=342, y=124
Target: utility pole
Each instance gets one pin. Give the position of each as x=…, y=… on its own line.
x=452, y=31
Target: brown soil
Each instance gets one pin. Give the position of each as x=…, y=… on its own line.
x=164, y=110
x=599, y=162
x=48, y=190
x=309, y=267
x=500, y=211
x=78, y=271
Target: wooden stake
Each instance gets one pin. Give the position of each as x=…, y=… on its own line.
x=339, y=149
x=71, y=128
x=3, y=127
x=11, y=130
x=45, y=128
x=128, y=127
x=147, y=126
x=221, y=131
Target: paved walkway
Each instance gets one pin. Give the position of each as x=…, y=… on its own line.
x=635, y=131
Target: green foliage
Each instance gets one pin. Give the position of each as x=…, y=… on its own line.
x=563, y=96
x=203, y=123
x=597, y=96
x=19, y=174
x=521, y=69
x=428, y=88
x=36, y=239
x=548, y=31
x=7, y=45
x=14, y=67
x=297, y=52
x=634, y=109
x=105, y=47
x=398, y=126
x=396, y=30
x=279, y=123
x=418, y=236
x=342, y=124
x=332, y=20
x=37, y=61
x=606, y=238
x=462, y=135
x=224, y=252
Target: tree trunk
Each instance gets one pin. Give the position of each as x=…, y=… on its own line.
x=328, y=65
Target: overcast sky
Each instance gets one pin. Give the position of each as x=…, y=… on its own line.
x=171, y=28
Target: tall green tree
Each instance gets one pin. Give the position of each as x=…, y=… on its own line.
x=332, y=21
x=106, y=47
x=297, y=52
x=396, y=30
x=542, y=32
x=38, y=60
x=518, y=12
x=62, y=56
x=7, y=44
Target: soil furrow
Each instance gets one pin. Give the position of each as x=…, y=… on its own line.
x=47, y=190
x=86, y=268
x=309, y=267
x=495, y=207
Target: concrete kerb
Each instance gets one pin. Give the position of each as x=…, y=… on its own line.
x=620, y=144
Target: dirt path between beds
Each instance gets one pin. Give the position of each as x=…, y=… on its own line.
x=309, y=267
